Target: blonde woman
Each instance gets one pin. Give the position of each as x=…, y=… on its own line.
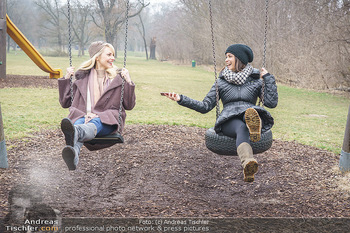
x=95, y=107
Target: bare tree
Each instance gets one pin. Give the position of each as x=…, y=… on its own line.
x=152, y=48
x=308, y=42
x=52, y=21
x=170, y=27
x=81, y=24
x=23, y=14
x=110, y=16
x=142, y=31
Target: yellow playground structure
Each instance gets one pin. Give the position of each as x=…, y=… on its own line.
x=30, y=50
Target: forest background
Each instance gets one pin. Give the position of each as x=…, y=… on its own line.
x=308, y=41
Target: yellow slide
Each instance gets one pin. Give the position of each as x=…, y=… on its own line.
x=30, y=50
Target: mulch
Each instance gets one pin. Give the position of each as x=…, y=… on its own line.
x=12, y=81
x=166, y=171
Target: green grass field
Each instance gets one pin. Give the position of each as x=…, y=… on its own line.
x=309, y=117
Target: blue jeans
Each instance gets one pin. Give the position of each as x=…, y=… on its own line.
x=102, y=129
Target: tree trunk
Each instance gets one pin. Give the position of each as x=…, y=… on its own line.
x=143, y=34
x=145, y=44
x=153, y=48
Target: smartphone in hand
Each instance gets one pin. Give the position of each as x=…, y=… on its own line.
x=164, y=93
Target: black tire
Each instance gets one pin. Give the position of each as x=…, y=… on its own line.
x=224, y=145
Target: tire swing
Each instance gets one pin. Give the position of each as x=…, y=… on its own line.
x=219, y=143
x=98, y=143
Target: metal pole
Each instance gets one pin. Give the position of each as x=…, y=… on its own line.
x=344, y=162
x=3, y=35
x=3, y=151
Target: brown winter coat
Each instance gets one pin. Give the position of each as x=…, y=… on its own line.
x=107, y=107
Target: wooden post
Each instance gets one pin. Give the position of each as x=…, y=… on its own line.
x=3, y=151
x=3, y=35
x=344, y=162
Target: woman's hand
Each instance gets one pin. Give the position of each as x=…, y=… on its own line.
x=89, y=117
x=172, y=96
x=70, y=72
x=263, y=71
x=125, y=74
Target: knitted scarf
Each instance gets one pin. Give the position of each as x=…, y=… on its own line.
x=95, y=89
x=239, y=77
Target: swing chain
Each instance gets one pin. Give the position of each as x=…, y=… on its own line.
x=261, y=102
x=125, y=51
x=126, y=30
x=265, y=32
x=70, y=51
x=214, y=60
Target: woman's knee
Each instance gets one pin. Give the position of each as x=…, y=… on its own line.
x=80, y=121
x=232, y=127
x=243, y=129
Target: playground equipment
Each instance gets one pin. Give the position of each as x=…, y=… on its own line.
x=30, y=50
x=219, y=143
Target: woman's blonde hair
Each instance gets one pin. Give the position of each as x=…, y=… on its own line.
x=89, y=64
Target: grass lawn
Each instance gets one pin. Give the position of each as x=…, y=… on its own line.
x=309, y=117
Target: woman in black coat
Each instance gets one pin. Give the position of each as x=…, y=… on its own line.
x=239, y=86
